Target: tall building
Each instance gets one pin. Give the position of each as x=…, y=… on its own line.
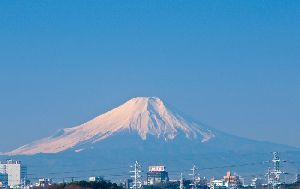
x=156, y=175
x=15, y=171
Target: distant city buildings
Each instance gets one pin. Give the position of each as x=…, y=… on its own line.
x=13, y=174
x=94, y=179
x=215, y=183
x=256, y=182
x=228, y=181
x=232, y=180
x=16, y=172
x=157, y=175
x=44, y=182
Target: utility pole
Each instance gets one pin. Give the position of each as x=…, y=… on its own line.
x=136, y=176
x=193, y=174
x=274, y=173
x=181, y=182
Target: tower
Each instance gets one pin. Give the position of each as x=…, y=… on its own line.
x=193, y=174
x=137, y=183
x=275, y=172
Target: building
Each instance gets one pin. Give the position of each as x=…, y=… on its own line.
x=156, y=175
x=216, y=184
x=44, y=182
x=95, y=179
x=3, y=180
x=128, y=183
x=202, y=181
x=15, y=171
x=257, y=182
x=232, y=180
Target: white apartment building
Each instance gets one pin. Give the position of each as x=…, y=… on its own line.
x=15, y=171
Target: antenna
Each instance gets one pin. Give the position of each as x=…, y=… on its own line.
x=137, y=176
x=193, y=174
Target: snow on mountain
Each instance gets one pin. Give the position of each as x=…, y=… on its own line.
x=145, y=116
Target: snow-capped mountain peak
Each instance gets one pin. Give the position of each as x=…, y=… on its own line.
x=146, y=116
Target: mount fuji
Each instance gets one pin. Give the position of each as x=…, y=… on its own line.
x=146, y=117
x=144, y=129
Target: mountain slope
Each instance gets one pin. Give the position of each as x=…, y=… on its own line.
x=144, y=129
x=145, y=116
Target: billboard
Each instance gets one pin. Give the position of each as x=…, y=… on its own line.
x=157, y=168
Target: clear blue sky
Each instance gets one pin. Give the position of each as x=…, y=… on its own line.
x=234, y=65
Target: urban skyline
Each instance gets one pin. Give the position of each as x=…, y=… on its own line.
x=14, y=174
